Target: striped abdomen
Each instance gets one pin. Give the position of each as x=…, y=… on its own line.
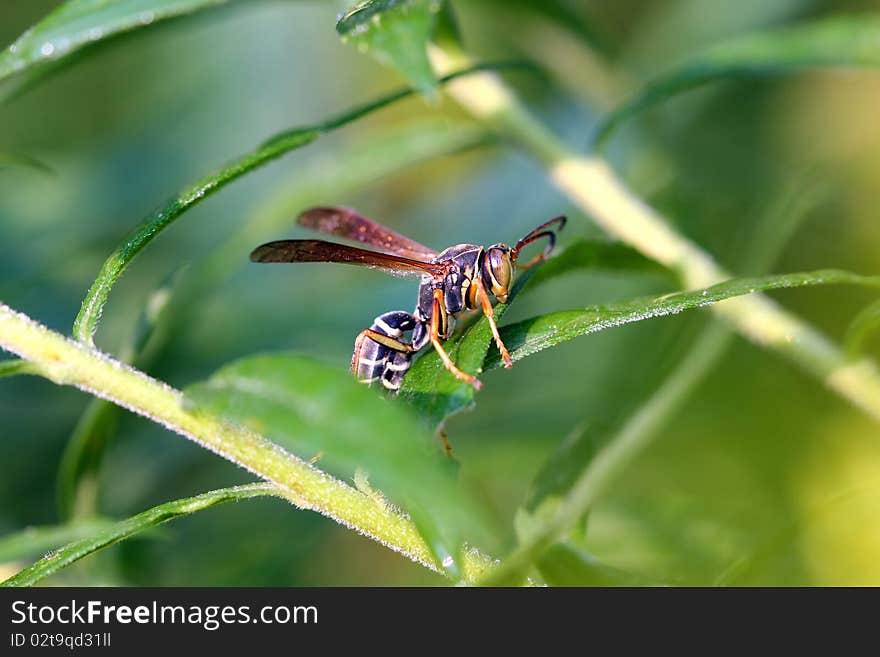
x=374, y=361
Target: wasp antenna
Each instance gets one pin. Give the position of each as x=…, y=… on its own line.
x=544, y=230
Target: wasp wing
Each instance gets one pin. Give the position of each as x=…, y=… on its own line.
x=350, y=225
x=321, y=251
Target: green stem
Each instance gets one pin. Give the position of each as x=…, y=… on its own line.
x=597, y=190
x=67, y=362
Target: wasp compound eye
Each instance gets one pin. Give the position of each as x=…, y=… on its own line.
x=500, y=271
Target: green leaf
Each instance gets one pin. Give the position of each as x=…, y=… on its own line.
x=562, y=469
x=842, y=41
x=396, y=33
x=72, y=552
x=9, y=160
x=152, y=225
x=77, y=483
x=436, y=394
x=862, y=329
x=316, y=410
x=16, y=366
x=571, y=16
x=533, y=335
x=77, y=24
x=565, y=565
x=32, y=541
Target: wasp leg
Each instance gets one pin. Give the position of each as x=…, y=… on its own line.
x=387, y=340
x=381, y=338
x=489, y=312
x=435, y=340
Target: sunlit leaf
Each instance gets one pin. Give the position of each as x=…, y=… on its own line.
x=842, y=42
x=395, y=32
x=72, y=552
x=437, y=394
x=77, y=24
x=315, y=410
x=533, y=335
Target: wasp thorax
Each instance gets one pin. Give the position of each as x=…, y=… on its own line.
x=498, y=271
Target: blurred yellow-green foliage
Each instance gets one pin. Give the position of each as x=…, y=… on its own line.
x=763, y=478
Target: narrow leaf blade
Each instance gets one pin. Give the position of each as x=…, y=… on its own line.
x=73, y=552
x=32, y=541
x=533, y=335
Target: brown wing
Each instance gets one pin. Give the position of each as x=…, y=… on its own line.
x=321, y=251
x=347, y=223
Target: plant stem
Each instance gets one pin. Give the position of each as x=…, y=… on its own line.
x=67, y=362
x=597, y=190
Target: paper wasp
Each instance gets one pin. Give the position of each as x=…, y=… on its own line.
x=454, y=280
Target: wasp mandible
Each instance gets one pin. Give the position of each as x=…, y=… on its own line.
x=459, y=278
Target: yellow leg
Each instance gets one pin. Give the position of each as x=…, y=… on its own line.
x=381, y=338
x=435, y=340
x=489, y=312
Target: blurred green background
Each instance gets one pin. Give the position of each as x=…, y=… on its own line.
x=763, y=478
